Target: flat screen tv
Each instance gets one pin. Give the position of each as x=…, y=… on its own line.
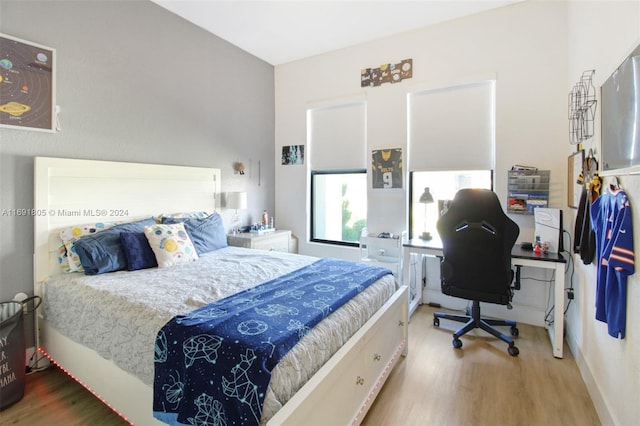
x=620, y=111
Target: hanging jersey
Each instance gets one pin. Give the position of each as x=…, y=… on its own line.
x=386, y=168
x=612, y=223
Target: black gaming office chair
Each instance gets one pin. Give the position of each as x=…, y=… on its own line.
x=477, y=238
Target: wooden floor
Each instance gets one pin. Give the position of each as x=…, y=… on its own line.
x=435, y=384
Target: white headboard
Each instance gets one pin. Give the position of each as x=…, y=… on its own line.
x=73, y=192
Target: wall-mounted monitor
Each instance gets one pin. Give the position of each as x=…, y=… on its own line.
x=620, y=109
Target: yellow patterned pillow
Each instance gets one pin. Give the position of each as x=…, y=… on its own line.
x=171, y=244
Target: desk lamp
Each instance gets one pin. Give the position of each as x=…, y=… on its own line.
x=426, y=198
x=237, y=201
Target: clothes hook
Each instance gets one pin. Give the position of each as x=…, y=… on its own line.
x=615, y=184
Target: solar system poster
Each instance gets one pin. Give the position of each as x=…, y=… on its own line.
x=27, y=85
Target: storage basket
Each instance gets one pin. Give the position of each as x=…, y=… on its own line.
x=12, y=350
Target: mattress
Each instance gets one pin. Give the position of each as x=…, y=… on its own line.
x=119, y=314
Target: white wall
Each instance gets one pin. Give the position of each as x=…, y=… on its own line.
x=530, y=66
x=601, y=35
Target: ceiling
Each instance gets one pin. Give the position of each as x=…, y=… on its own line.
x=284, y=31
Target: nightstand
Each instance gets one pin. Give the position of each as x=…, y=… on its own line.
x=278, y=240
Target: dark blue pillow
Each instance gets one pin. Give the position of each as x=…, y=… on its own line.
x=137, y=251
x=102, y=252
x=206, y=234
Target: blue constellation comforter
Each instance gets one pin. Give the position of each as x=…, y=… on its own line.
x=213, y=365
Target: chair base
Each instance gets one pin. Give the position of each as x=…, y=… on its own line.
x=476, y=321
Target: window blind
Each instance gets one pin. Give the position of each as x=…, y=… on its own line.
x=452, y=128
x=337, y=136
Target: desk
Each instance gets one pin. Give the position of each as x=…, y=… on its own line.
x=519, y=257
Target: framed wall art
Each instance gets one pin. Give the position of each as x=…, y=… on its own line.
x=292, y=155
x=386, y=168
x=27, y=85
x=386, y=73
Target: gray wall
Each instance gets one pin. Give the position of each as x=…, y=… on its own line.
x=135, y=83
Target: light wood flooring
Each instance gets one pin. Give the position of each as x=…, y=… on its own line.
x=435, y=384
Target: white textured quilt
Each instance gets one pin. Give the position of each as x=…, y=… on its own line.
x=119, y=314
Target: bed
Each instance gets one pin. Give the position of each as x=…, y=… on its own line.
x=337, y=389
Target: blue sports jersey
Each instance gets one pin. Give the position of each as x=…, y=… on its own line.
x=612, y=223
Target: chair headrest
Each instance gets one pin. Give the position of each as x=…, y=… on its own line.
x=475, y=208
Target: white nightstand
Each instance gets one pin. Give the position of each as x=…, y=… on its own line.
x=278, y=240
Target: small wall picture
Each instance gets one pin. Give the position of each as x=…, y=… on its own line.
x=386, y=168
x=292, y=155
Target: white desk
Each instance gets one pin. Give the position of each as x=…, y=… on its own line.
x=519, y=257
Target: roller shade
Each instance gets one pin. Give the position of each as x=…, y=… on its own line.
x=452, y=128
x=337, y=136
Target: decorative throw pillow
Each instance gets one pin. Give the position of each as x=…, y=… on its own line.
x=70, y=262
x=207, y=234
x=103, y=252
x=137, y=251
x=171, y=244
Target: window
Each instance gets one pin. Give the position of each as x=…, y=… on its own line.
x=336, y=135
x=443, y=186
x=338, y=206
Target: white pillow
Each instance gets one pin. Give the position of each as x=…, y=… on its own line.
x=171, y=244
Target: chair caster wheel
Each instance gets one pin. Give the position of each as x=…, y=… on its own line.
x=515, y=331
x=436, y=321
x=457, y=343
x=513, y=351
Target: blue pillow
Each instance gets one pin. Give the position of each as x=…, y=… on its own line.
x=206, y=234
x=137, y=251
x=102, y=252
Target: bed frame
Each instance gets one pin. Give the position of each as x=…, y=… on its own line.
x=72, y=191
